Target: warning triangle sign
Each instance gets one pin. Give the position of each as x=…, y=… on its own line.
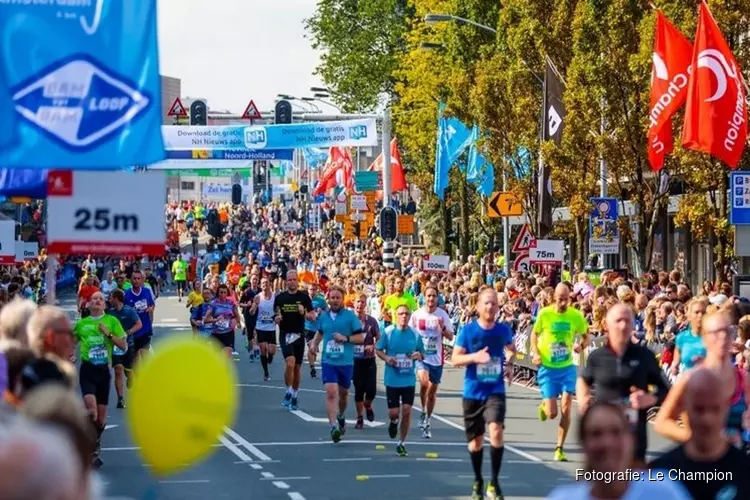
x=251, y=111
x=177, y=109
x=524, y=241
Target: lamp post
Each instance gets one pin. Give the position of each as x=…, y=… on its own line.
x=443, y=18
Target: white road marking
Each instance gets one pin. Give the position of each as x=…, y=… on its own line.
x=256, y=466
x=122, y=448
x=295, y=496
x=309, y=418
x=111, y=426
x=173, y=326
x=441, y=460
x=471, y=476
x=170, y=320
x=235, y=449
x=290, y=478
x=360, y=459
x=281, y=484
x=266, y=475
x=186, y=481
x=387, y=476
x=358, y=441
x=249, y=447
x=450, y=423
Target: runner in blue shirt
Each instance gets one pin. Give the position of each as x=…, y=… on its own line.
x=481, y=349
x=141, y=299
x=338, y=329
x=400, y=347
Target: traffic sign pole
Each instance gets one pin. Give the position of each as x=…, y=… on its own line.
x=506, y=235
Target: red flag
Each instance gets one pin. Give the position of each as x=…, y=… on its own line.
x=716, y=114
x=398, y=178
x=338, y=171
x=669, y=81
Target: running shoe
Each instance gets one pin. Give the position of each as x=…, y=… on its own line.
x=313, y=373
x=422, y=418
x=476, y=491
x=266, y=378
x=370, y=413
x=393, y=429
x=342, y=423
x=287, y=400
x=427, y=433
x=360, y=423
x=336, y=434
x=493, y=493
x=120, y=403
x=97, y=463
x=293, y=405
x=560, y=456
x=401, y=450
x=542, y=413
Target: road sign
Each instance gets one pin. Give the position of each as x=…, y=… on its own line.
x=177, y=109
x=604, y=235
x=739, y=213
x=26, y=250
x=358, y=202
x=503, y=204
x=87, y=216
x=8, y=241
x=251, y=112
x=546, y=252
x=405, y=224
x=524, y=240
x=522, y=264
x=436, y=263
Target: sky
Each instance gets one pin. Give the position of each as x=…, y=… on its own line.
x=245, y=49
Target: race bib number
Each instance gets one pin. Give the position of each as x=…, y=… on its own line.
x=141, y=305
x=431, y=346
x=291, y=337
x=222, y=324
x=489, y=372
x=98, y=355
x=404, y=364
x=119, y=352
x=334, y=349
x=266, y=317
x=560, y=353
x=359, y=351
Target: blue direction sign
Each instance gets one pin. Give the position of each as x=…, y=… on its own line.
x=739, y=212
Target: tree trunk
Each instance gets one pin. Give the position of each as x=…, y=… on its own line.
x=466, y=233
x=446, y=213
x=720, y=263
x=580, y=245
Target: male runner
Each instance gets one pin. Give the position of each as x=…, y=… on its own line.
x=365, y=369
x=179, y=276
x=553, y=342
x=265, y=328
x=96, y=334
x=141, y=299
x=399, y=348
x=340, y=329
x=122, y=359
x=311, y=327
x=481, y=349
x=433, y=324
x=398, y=298
x=292, y=308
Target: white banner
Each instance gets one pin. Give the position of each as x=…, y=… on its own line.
x=7, y=241
x=436, y=263
x=26, y=250
x=547, y=252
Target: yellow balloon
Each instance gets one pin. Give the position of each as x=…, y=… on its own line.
x=183, y=396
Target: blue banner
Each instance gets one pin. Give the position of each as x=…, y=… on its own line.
x=452, y=140
x=604, y=234
x=348, y=133
x=232, y=154
x=315, y=157
x=84, y=77
x=478, y=170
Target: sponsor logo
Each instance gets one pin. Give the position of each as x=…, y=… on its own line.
x=255, y=137
x=358, y=132
x=554, y=121
x=676, y=84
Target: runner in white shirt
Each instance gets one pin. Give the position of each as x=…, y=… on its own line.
x=108, y=285
x=434, y=325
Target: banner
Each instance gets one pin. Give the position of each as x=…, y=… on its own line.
x=348, y=133
x=604, y=235
x=452, y=140
x=230, y=154
x=209, y=172
x=217, y=190
x=84, y=79
x=552, y=129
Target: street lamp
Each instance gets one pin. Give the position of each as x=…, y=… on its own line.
x=322, y=90
x=311, y=102
x=443, y=18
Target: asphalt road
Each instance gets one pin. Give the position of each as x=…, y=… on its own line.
x=270, y=452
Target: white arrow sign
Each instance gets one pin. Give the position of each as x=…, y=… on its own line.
x=309, y=418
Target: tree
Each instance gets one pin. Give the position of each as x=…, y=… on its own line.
x=360, y=42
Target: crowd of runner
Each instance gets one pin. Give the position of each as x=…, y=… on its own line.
x=627, y=348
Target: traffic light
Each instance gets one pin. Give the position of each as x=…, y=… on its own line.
x=283, y=112
x=236, y=194
x=388, y=223
x=198, y=113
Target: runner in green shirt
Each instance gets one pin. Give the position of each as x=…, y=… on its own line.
x=397, y=299
x=179, y=274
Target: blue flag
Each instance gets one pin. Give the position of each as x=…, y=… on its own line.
x=479, y=171
x=452, y=140
x=84, y=78
x=315, y=157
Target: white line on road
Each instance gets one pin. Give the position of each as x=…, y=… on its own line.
x=388, y=476
x=358, y=441
x=293, y=495
x=122, y=448
x=309, y=418
x=256, y=466
x=267, y=475
x=249, y=447
x=450, y=423
x=170, y=320
x=290, y=478
x=281, y=484
x=186, y=481
x=235, y=449
x=440, y=459
x=360, y=459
